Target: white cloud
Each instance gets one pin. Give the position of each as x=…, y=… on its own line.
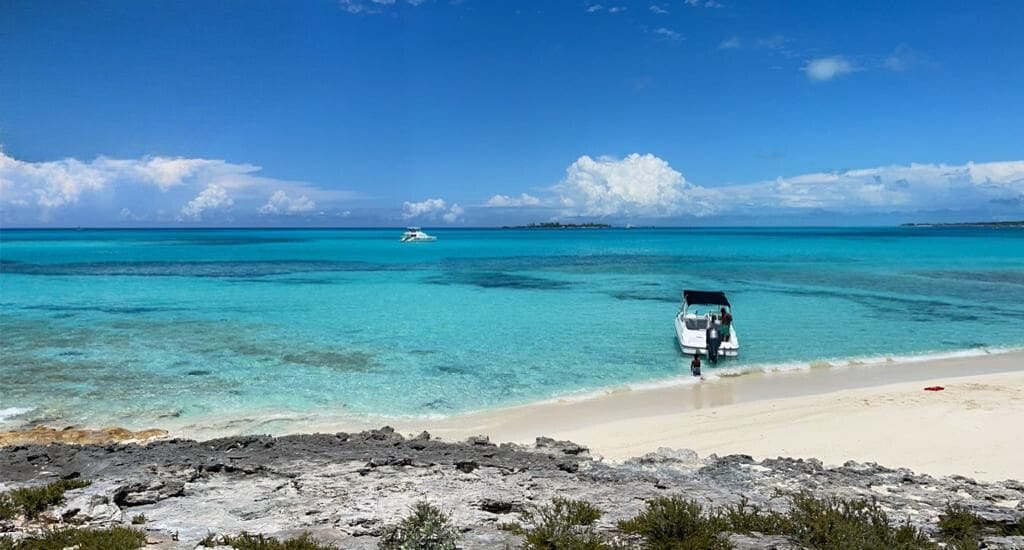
x=647, y=186
x=658, y=9
x=827, y=68
x=281, y=203
x=214, y=197
x=151, y=188
x=616, y=9
x=453, y=214
x=895, y=188
x=505, y=201
x=667, y=34
x=432, y=209
x=423, y=208
x=640, y=185
x=730, y=43
x=594, y=8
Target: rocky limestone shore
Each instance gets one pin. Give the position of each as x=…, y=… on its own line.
x=345, y=488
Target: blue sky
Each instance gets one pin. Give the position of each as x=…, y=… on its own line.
x=473, y=112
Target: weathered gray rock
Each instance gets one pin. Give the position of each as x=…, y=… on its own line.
x=345, y=488
x=92, y=505
x=1003, y=543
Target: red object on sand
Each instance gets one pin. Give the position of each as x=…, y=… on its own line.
x=934, y=388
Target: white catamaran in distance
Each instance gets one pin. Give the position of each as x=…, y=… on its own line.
x=694, y=319
x=416, y=235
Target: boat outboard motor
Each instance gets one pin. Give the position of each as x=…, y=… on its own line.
x=713, y=339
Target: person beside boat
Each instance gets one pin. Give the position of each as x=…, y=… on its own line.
x=695, y=365
x=713, y=338
x=726, y=324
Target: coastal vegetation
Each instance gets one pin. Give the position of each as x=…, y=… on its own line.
x=669, y=523
x=961, y=528
x=246, y=541
x=665, y=523
x=31, y=501
x=117, y=537
x=425, y=528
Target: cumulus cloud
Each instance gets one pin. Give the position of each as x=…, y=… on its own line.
x=453, y=214
x=432, y=209
x=212, y=198
x=505, y=201
x=281, y=203
x=827, y=68
x=638, y=185
x=152, y=188
x=642, y=186
x=658, y=9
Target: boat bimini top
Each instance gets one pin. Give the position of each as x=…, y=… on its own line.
x=705, y=297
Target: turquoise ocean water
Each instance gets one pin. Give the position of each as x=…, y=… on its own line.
x=137, y=327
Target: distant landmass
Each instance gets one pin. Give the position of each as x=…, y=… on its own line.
x=967, y=224
x=557, y=225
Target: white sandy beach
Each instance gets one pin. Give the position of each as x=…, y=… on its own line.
x=975, y=427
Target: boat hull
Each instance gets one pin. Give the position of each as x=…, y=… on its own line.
x=692, y=342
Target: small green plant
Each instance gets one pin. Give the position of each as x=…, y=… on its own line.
x=245, y=541
x=119, y=538
x=139, y=519
x=671, y=523
x=961, y=529
x=32, y=501
x=425, y=528
x=744, y=517
x=838, y=524
x=565, y=524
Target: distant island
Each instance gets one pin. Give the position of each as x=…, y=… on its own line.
x=967, y=224
x=558, y=225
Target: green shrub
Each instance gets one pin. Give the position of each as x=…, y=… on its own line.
x=7, y=508
x=31, y=501
x=674, y=523
x=565, y=524
x=962, y=529
x=245, y=541
x=114, y=538
x=139, y=519
x=425, y=528
x=744, y=517
x=837, y=524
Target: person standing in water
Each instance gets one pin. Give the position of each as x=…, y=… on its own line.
x=713, y=338
x=695, y=365
x=726, y=324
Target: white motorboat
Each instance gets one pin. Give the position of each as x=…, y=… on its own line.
x=416, y=235
x=701, y=310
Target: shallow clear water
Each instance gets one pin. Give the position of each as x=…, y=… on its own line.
x=135, y=328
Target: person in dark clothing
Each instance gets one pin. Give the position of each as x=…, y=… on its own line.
x=726, y=324
x=713, y=339
x=695, y=365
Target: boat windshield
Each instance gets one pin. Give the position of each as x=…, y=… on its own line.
x=696, y=323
